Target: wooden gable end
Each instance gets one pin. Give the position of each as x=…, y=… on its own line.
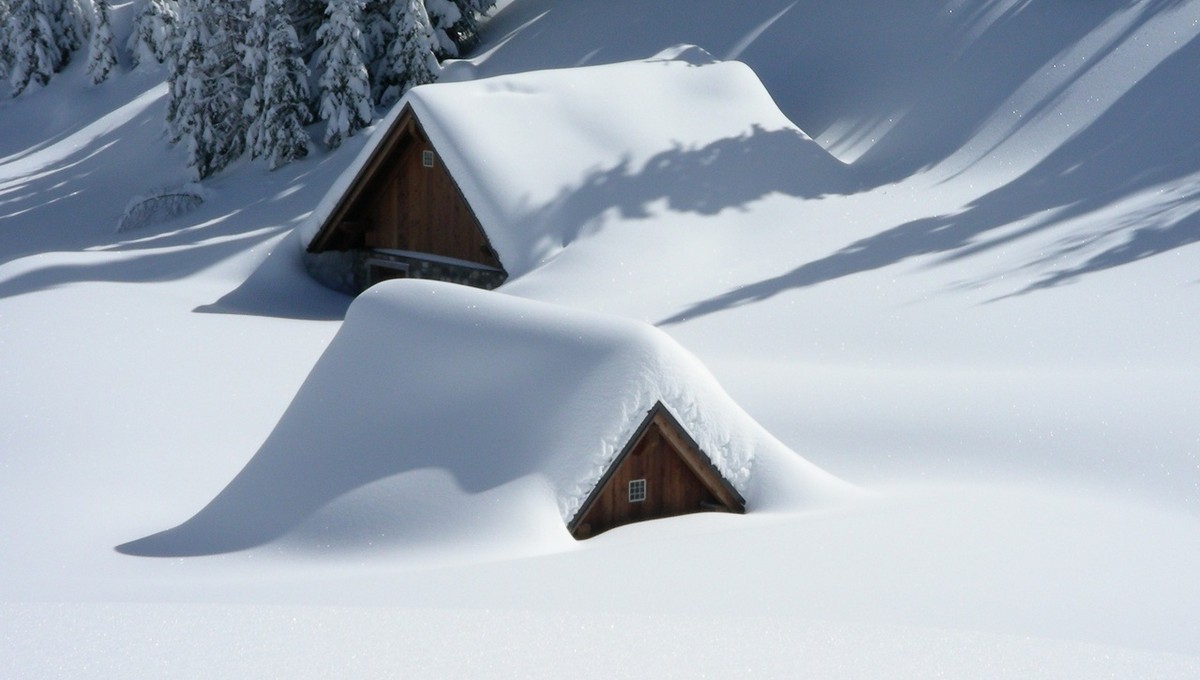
x=661, y=472
x=405, y=199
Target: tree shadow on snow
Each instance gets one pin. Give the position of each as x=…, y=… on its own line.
x=908, y=83
x=726, y=174
x=1001, y=45
x=137, y=268
x=50, y=202
x=278, y=287
x=1148, y=139
x=66, y=193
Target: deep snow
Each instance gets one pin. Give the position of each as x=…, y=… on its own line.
x=994, y=338
x=522, y=405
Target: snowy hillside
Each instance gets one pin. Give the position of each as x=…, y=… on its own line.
x=987, y=333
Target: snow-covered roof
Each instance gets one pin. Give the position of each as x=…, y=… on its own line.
x=477, y=411
x=529, y=150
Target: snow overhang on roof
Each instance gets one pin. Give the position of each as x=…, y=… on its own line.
x=495, y=387
x=528, y=149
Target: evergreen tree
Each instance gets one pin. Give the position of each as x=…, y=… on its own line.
x=69, y=24
x=287, y=93
x=281, y=104
x=410, y=60
x=254, y=63
x=183, y=69
x=443, y=15
x=33, y=46
x=207, y=85
x=306, y=17
x=187, y=84
x=101, y=58
x=345, y=88
x=471, y=11
x=153, y=32
x=5, y=40
x=378, y=31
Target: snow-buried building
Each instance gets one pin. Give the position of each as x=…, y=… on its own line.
x=477, y=181
x=441, y=414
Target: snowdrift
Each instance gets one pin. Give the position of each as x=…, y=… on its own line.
x=541, y=156
x=1032, y=458
x=441, y=414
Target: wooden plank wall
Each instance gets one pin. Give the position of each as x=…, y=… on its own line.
x=413, y=207
x=672, y=488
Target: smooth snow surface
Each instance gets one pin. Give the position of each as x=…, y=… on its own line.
x=160, y=640
x=991, y=335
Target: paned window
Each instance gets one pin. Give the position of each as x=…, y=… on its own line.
x=637, y=490
x=427, y=158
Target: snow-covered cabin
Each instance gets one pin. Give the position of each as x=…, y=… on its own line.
x=405, y=216
x=475, y=181
x=441, y=413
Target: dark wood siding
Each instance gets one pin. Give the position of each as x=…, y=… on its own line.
x=679, y=480
x=419, y=208
x=399, y=203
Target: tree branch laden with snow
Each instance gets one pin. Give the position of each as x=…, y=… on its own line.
x=208, y=86
x=101, y=57
x=278, y=101
x=36, y=42
x=345, y=87
x=153, y=32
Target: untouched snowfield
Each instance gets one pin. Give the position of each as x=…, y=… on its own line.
x=990, y=338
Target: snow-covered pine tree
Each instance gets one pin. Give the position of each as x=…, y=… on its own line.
x=70, y=26
x=153, y=32
x=287, y=92
x=471, y=10
x=39, y=37
x=183, y=69
x=378, y=32
x=307, y=17
x=227, y=132
x=101, y=58
x=410, y=61
x=207, y=85
x=34, y=55
x=345, y=88
x=187, y=120
x=254, y=63
x=443, y=15
x=277, y=132
x=5, y=40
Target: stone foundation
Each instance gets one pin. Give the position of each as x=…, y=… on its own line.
x=353, y=271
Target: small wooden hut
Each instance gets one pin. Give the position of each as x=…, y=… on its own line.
x=661, y=472
x=404, y=216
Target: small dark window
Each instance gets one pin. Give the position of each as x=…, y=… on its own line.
x=637, y=490
x=427, y=158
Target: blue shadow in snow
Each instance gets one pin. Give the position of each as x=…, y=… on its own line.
x=726, y=174
x=1150, y=137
